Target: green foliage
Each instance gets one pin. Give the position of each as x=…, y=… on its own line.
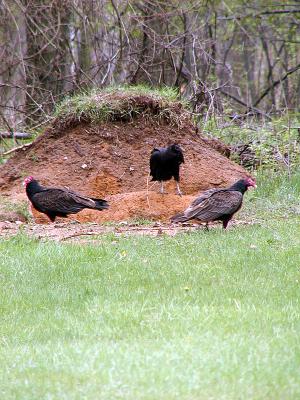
x=276, y=143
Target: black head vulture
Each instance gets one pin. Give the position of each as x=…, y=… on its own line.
x=216, y=204
x=59, y=202
x=165, y=163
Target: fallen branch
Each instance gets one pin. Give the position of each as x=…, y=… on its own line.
x=16, y=148
x=80, y=234
x=15, y=135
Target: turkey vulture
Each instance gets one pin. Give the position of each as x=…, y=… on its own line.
x=216, y=204
x=165, y=163
x=59, y=202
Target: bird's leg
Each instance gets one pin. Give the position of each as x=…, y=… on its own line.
x=51, y=217
x=206, y=227
x=178, y=191
x=225, y=223
x=161, y=187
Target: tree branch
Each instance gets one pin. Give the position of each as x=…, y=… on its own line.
x=251, y=15
x=275, y=83
x=241, y=102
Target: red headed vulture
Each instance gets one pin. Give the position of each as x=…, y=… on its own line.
x=59, y=202
x=216, y=204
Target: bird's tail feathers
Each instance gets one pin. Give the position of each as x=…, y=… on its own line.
x=180, y=217
x=100, y=204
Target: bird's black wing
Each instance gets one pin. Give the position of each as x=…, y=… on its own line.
x=205, y=195
x=180, y=157
x=55, y=200
x=155, y=159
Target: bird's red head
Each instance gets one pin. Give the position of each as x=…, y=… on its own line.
x=28, y=180
x=250, y=182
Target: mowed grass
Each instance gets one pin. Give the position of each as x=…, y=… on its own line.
x=206, y=315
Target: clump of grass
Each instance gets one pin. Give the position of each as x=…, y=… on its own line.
x=139, y=221
x=121, y=104
x=164, y=92
x=20, y=207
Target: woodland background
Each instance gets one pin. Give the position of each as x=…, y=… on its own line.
x=237, y=57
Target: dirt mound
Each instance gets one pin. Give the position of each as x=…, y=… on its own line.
x=111, y=160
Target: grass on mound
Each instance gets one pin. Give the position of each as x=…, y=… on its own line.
x=203, y=315
x=122, y=104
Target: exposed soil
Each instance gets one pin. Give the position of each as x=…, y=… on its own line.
x=111, y=160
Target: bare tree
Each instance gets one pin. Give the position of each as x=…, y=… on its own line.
x=245, y=52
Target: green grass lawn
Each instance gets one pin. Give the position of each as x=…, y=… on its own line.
x=206, y=315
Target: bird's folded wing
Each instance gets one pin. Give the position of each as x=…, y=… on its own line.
x=154, y=161
x=198, y=204
x=85, y=201
x=155, y=156
x=203, y=197
x=60, y=200
x=215, y=204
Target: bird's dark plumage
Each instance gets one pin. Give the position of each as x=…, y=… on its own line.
x=165, y=163
x=59, y=202
x=216, y=204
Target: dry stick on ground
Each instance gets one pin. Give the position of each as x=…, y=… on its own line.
x=16, y=148
x=80, y=234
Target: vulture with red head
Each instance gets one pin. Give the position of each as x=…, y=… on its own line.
x=59, y=202
x=216, y=204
